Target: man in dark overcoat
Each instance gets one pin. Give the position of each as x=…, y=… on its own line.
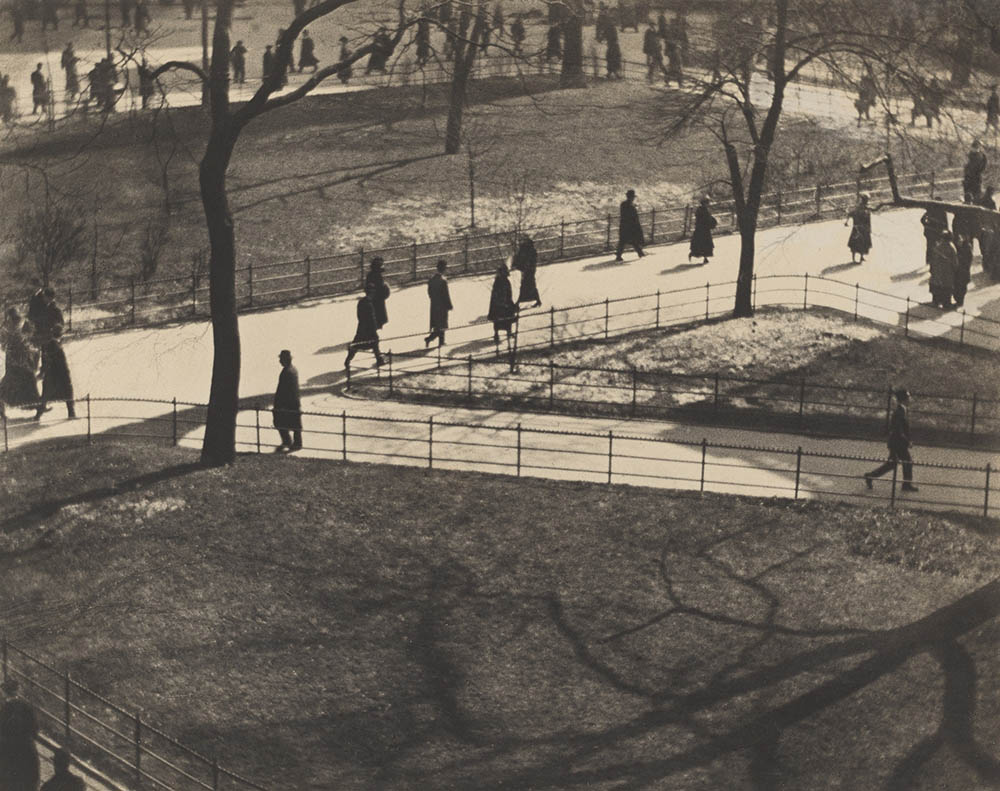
x=19, y=768
x=39, y=91
x=437, y=290
x=944, y=267
x=963, y=231
x=517, y=34
x=366, y=336
x=422, y=39
x=701, y=238
x=654, y=55
x=238, y=59
x=629, y=228
x=346, y=72
x=379, y=291
x=526, y=262
x=502, y=311
x=972, y=173
x=56, y=382
x=899, y=444
x=287, y=412
x=307, y=53
x=267, y=63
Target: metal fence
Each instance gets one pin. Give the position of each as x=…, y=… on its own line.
x=118, y=741
x=262, y=286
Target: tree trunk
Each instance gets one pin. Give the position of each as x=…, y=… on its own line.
x=219, y=446
x=744, y=281
x=572, y=61
x=465, y=55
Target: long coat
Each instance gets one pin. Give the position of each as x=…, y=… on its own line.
x=287, y=403
x=701, y=237
x=944, y=264
x=613, y=55
x=367, y=332
x=899, y=430
x=629, y=228
x=56, y=382
x=437, y=290
x=307, y=53
x=19, y=769
x=379, y=296
x=502, y=307
x=18, y=386
x=860, y=240
x=526, y=260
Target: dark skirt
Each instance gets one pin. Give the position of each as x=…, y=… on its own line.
x=529, y=289
x=18, y=387
x=702, y=243
x=290, y=419
x=860, y=241
x=56, y=382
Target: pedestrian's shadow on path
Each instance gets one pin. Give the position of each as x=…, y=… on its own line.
x=683, y=267
x=831, y=270
x=909, y=275
x=339, y=347
x=605, y=265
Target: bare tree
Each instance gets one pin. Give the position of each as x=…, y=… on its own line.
x=50, y=237
x=219, y=446
x=465, y=45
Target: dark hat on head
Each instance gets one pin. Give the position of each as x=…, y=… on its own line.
x=377, y=262
x=441, y=264
x=60, y=759
x=902, y=394
x=343, y=38
x=284, y=353
x=630, y=194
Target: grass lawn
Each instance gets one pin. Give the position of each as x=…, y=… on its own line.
x=356, y=626
x=760, y=375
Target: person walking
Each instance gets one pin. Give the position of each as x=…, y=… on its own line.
x=19, y=767
x=345, y=72
x=437, y=290
x=62, y=779
x=39, y=91
x=267, y=63
x=899, y=444
x=307, y=53
x=860, y=240
x=993, y=110
x=287, y=406
x=366, y=335
x=502, y=310
x=146, y=84
x=972, y=173
x=56, y=382
x=380, y=291
x=517, y=33
x=654, y=55
x=8, y=99
x=68, y=61
x=238, y=60
x=553, y=43
x=629, y=227
x=18, y=387
x=422, y=39
x=701, y=238
x=613, y=54
x=526, y=262
x=934, y=221
x=944, y=266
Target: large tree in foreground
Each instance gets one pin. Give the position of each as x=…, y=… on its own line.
x=226, y=124
x=763, y=47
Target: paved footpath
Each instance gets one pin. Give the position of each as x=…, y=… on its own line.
x=175, y=361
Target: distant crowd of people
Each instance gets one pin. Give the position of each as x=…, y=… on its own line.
x=33, y=350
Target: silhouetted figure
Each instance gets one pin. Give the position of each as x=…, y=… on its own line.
x=346, y=72
x=62, y=779
x=39, y=91
x=17, y=19
x=993, y=110
x=146, y=85
x=68, y=61
x=526, y=262
x=629, y=227
x=654, y=55
x=287, y=412
x=307, y=53
x=366, y=335
x=613, y=53
x=502, y=310
x=860, y=241
x=56, y=382
x=517, y=34
x=553, y=45
x=422, y=38
x=380, y=291
x=18, y=387
x=8, y=99
x=267, y=63
x=437, y=291
x=944, y=266
x=899, y=444
x=19, y=768
x=238, y=60
x=701, y=238
x=972, y=173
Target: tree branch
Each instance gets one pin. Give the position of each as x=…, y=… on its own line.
x=180, y=65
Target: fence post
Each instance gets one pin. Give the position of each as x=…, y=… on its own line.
x=972, y=423
x=174, y=420
x=798, y=470
x=687, y=222
x=611, y=450
x=932, y=185
x=961, y=332
x=819, y=207
x=138, y=750
x=414, y=260
x=343, y=434
x=131, y=317
x=607, y=240
x=906, y=325
x=390, y=371
x=256, y=413
x=88, y=419
x=69, y=310
x=194, y=293
x=753, y=300
x=562, y=237
x=986, y=494
x=361, y=266
x=606, y=317
x=308, y=276
x=430, y=442
x=469, y=395
x=250, y=282
x=778, y=205
x=552, y=327
x=465, y=253
x=657, y=308
x=704, y=454
x=518, y=450
x=857, y=287
x=552, y=383
x=6, y=442
x=892, y=496
x=67, y=730
x=802, y=400
x=805, y=293
x=707, y=285
x=633, y=388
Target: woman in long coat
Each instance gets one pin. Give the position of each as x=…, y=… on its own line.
x=944, y=265
x=613, y=55
x=860, y=241
x=18, y=387
x=379, y=291
x=56, y=382
x=526, y=261
x=366, y=335
x=701, y=238
x=502, y=308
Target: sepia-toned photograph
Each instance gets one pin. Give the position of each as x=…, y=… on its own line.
x=499, y=395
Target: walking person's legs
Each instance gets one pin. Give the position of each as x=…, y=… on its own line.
x=907, y=459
